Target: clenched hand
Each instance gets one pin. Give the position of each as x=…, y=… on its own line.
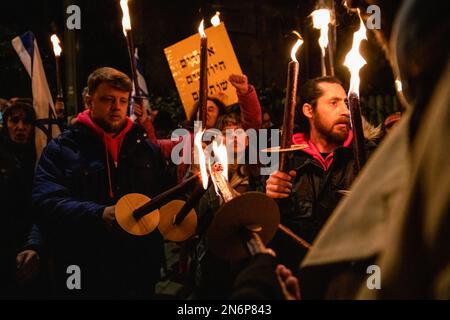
x=279, y=185
x=240, y=82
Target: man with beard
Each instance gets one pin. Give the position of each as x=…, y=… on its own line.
x=80, y=177
x=311, y=191
x=389, y=238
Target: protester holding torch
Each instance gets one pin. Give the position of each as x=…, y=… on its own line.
x=310, y=191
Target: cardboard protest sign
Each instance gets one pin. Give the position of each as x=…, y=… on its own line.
x=184, y=62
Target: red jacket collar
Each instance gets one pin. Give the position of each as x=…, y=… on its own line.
x=301, y=138
x=112, y=143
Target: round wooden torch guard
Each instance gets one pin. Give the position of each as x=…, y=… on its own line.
x=252, y=210
x=169, y=229
x=124, y=215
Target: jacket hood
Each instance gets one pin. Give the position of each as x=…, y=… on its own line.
x=112, y=142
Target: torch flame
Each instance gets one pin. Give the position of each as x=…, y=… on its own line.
x=297, y=46
x=398, y=85
x=215, y=21
x=345, y=4
x=220, y=161
x=56, y=48
x=321, y=20
x=354, y=61
x=221, y=155
x=126, y=21
x=201, y=30
x=201, y=157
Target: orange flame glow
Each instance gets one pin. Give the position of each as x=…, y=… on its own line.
x=56, y=47
x=354, y=61
x=126, y=21
x=201, y=157
x=345, y=4
x=297, y=46
x=220, y=161
x=398, y=85
x=221, y=155
x=321, y=20
x=215, y=21
x=201, y=30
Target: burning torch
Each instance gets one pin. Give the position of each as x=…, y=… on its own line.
x=126, y=24
x=321, y=20
x=201, y=115
x=57, y=51
x=253, y=215
x=290, y=104
x=354, y=62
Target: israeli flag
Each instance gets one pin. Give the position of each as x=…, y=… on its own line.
x=46, y=126
x=142, y=84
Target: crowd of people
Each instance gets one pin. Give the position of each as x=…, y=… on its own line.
x=59, y=210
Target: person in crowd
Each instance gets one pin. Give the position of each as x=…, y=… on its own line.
x=242, y=177
x=22, y=254
x=394, y=225
x=79, y=179
x=267, y=120
x=389, y=238
x=250, y=110
x=312, y=189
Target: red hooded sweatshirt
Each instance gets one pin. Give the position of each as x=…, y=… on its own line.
x=313, y=151
x=112, y=143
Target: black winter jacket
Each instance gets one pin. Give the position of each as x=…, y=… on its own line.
x=316, y=192
x=17, y=233
x=70, y=192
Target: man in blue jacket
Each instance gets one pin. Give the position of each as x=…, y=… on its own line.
x=80, y=177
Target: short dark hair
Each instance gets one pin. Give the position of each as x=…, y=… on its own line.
x=20, y=105
x=113, y=77
x=3, y=104
x=228, y=119
x=310, y=92
x=222, y=107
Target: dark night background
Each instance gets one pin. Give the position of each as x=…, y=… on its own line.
x=260, y=31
